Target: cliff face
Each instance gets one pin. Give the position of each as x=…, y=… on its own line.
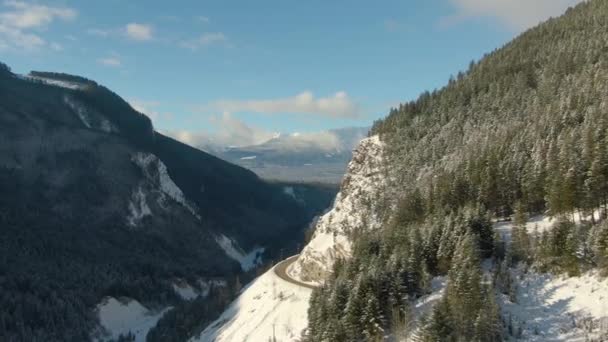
x=359, y=206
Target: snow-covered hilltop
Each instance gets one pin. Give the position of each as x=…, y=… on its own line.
x=271, y=306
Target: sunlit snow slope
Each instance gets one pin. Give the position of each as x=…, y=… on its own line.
x=268, y=307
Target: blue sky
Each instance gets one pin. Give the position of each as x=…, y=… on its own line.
x=238, y=71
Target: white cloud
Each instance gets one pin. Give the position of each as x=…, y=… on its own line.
x=150, y=108
x=206, y=39
x=111, y=61
x=140, y=32
x=24, y=15
x=19, y=22
x=203, y=19
x=517, y=15
x=337, y=106
x=234, y=132
x=229, y=131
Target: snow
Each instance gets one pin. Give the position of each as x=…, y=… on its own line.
x=188, y=292
x=185, y=291
x=79, y=110
x=249, y=158
x=138, y=207
x=423, y=306
x=288, y=190
x=206, y=285
x=268, y=303
x=539, y=222
x=354, y=207
x=248, y=261
x=118, y=318
x=85, y=117
x=156, y=171
x=557, y=308
x=54, y=82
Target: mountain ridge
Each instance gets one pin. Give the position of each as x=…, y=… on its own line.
x=94, y=204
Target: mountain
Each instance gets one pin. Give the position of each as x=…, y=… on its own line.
x=476, y=212
x=103, y=217
x=299, y=157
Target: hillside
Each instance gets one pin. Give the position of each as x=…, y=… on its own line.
x=94, y=204
x=521, y=133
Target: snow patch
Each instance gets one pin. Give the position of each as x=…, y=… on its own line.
x=121, y=317
x=206, y=285
x=557, y=308
x=248, y=261
x=249, y=158
x=185, y=291
x=138, y=207
x=539, y=223
x=53, y=82
x=89, y=120
x=289, y=191
x=188, y=292
x=423, y=306
x=268, y=303
x=156, y=171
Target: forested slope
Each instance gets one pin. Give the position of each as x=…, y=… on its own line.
x=523, y=131
x=95, y=203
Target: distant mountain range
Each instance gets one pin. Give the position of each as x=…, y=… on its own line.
x=298, y=157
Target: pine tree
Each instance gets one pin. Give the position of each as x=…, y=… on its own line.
x=487, y=324
x=439, y=326
x=521, y=243
x=464, y=286
x=371, y=318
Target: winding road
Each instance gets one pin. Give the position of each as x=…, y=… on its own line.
x=281, y=271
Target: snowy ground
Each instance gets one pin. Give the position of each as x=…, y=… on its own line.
x=267, y=304
x=555, y=308
x=53, y=82
x=118, y=318
x=552, y=308
x=538, y=223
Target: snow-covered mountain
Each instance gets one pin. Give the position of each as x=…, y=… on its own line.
x=320, y=156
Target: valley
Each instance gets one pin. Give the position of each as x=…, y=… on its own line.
x=217, y=198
